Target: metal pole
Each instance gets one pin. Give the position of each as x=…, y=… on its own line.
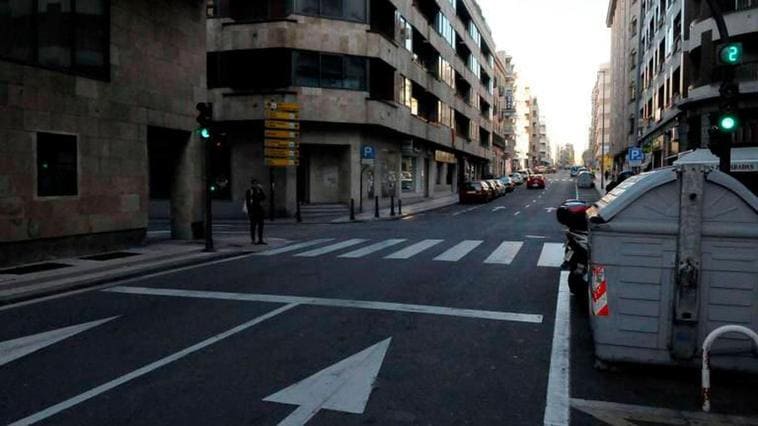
x=392, y=205
x=399, y=207
x=208, y=199
x=271, y=191
x=352, y=209
x=602, y=137
x=376, y=206
x=360, y=201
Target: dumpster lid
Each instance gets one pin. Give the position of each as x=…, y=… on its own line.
x=732, y=184
x=628, y=191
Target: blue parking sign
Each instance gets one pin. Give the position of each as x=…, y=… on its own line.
x=635, y=156
x=367, y=152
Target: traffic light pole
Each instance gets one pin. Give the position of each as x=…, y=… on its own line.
x=725, y=151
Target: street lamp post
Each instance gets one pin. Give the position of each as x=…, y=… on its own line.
x=602, y=134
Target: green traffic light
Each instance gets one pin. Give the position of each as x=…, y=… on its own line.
x=731, y=53
x=205, y=133
x=728, y=123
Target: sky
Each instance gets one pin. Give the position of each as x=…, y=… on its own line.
x=557, y=47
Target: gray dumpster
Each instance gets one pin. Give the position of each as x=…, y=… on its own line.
x=654, y=296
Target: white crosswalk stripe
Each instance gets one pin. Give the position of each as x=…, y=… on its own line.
x=332, y=248
x=413, y=250
x=294, y=247
x=505, y=253
x=365, y=251
x=552, y=255
x=458, y=251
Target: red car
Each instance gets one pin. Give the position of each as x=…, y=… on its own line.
x=475, y=192
x=536, y=181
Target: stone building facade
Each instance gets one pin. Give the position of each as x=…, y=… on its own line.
x=97, y=108
x=414, y=81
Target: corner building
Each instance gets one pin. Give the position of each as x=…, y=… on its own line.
x=412, y=80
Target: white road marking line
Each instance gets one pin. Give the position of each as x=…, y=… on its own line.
x=527, y=206
x=534, y=201
x=552, y=255
x=467, y=210
x=332, y=248
x=344, y=386
x=505, y=253
x=293, y=247
x=334, y=303
x=535, y=237
x=365, y=251
x=458, y=251
x=11, y=350
x=57, y=408
x=499, y=208
x=557, y=410
x=616, y=414
x=413, y=250
x=517, y=213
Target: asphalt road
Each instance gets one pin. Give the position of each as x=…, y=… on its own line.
x=453, y=312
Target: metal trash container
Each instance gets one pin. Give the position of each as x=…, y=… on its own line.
x=673, y=256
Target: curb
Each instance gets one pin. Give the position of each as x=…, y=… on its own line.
x=50, y=288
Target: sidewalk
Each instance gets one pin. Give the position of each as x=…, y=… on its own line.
x=45, y=278
x=408, y=210
x=599, y=189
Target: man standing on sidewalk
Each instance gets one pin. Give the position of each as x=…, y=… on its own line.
x=254, y=198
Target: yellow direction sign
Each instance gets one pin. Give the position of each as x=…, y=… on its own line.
x=280, y=162
x=281, y=134
x=280, y=143
x=283, y=106
x=280, y=153
x=280, y=115
x=282, y=125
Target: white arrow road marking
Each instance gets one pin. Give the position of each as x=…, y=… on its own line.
x=550, y=209
x=14, y=349
x=345, y=386
x=498, y=208
x=517, y=213
x=105, y=387
x=616, y=414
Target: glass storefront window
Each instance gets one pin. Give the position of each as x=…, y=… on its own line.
x=408, y=172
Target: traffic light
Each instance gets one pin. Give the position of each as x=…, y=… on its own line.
x=730, y=53
x=728, y=119
x=205, y=119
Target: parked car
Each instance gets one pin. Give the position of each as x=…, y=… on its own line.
x=474, y=192
x=510, y=185
x=574, y=171
x=585, y=180
x=517, y=178
x=535, y=181
x=626, y=174
x=499, y=187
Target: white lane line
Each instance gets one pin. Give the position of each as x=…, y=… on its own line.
x=517, y=213
x=57, y=408
x=332, y=248
x=338, y=303
x=535, y=237
x=413, y=250
x=527, y=206
x=505, y=253
x=373, y=248
x=557, y=409
x=293, y=247
x=458, y=251
x=467, y=210
x=534, y=201
x=552, y=255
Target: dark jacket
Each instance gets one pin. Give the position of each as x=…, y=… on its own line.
x=254, y=197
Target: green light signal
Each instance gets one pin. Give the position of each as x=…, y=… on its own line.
x=205, y=133
x=731, y=53
x=728, y=123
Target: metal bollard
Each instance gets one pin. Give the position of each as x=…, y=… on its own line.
x=705, y=384
x=352, y=209
x=376, y=206
x=298, y=214
x=399, y=207
x=392, y=205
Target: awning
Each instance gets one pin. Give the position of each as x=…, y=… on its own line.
x=745, y=159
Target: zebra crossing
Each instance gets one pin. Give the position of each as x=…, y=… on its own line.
x=438, y=250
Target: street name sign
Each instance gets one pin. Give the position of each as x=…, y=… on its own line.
x=280, y=162
x=283, y=125
x=281, y=143
x=281, y=134
x=280, y=153
x=283, y=106
x=280, y=115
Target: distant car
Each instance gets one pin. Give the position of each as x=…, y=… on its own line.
x=535, y=181
x=499, y=187
x=491, y=191
x=510, y=185
x=474, y=192
x=626, y=174
x=517, y=178
x=574, y=171
x=585, y=180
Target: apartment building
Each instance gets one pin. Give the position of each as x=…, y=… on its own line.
x=508, y=91
x=97, y=105
x=503, y=136
x=523, y=126
x=624, y=20
x=600, y=127
x=411, y=80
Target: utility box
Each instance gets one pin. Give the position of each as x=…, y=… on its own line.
x=673, y=256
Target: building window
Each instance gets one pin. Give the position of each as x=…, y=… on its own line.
x=351, y=10
x=313, y=69
x=446, y=72
x=56, y=165
x=406, y=91
x=473, y=31
x=445, y=115
x=445, y=28
x=60, y=34
x=408, y=174
x=405, y=33
x=473, y=65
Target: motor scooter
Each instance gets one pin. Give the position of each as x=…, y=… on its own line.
x=573, y=215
